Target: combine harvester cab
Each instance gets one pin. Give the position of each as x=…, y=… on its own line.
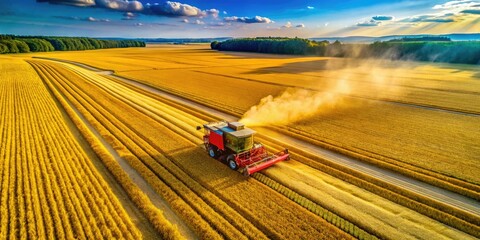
x=233, y=143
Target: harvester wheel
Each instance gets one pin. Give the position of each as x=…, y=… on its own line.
x=231, y=162
x=212, y=151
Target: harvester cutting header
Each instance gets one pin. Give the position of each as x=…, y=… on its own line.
x=233, y=143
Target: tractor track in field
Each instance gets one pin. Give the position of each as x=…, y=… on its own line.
x=136, y=178
x=444, y=196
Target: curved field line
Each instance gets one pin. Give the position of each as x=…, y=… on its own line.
x=182, y=192
x=141, y=200
x=149, y=116
x=49, y=178
x=437, y=198
x=187, y=130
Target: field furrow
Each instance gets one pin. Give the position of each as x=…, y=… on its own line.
x=53, y=189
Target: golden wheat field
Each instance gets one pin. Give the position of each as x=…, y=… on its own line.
x=208, y=210
x=58, y=121
x=49, y=188
x=422, y=122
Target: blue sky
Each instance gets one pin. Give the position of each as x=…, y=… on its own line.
x=237, y=18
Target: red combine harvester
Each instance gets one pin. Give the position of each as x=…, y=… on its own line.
x=233, y=142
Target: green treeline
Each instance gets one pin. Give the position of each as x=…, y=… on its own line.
x=297, y=46
x=25, y=44
x=439, y=50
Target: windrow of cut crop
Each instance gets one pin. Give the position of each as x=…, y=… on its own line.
x=170, y=167
x=153, y=214
x=52, y=184
x=102, y=188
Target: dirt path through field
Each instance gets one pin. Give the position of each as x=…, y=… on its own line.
x=135, y=214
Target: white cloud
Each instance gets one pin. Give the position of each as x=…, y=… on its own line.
x=175, y=9
x=310, y=7
x=256, y=19
x=301, y=25
x=213, y=12
x=168, y=8
x=287, y=25
x=120, y=5
x=88, y=19
x=370, y=23
x=461, y=6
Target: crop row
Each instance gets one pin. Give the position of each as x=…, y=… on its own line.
x=195, y=210
x=166, y=169
x=311, y=206
x=450, y=216
x=153, y=214
x=357, y=179
x=155, y=155
x=308, y=204
x=349, y=177
x=390, y=192
x=49, y=187
x=414, y=161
